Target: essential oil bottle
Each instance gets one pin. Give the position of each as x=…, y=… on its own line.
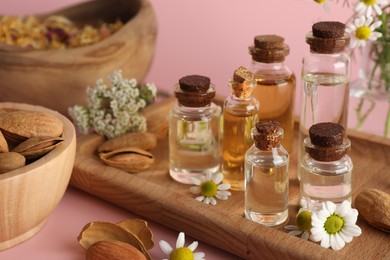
x=239, y=116
x=276, y=83
x=194, y=130
x=266, y=176
x=326, y=167
x=325, y=77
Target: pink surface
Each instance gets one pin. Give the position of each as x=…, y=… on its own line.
x=194, y=37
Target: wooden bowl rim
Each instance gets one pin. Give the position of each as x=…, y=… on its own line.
x=69, y=134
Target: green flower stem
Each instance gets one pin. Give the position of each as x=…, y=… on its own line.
x=362, y=116
x=387, y=124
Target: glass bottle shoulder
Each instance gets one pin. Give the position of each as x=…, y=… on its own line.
x=337, y=63
x=272, y=72
x=245, y=106
x=196, y=113
x=336, y=167
x=277, y=157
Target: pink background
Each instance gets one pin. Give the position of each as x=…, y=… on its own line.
x=194, y=37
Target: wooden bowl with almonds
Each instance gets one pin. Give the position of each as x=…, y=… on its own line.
x=58, y=78
x=30, y=192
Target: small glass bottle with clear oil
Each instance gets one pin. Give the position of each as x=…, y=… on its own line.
x=266, y=176
x=239, y=116
x=194, y=130
x=325, y=77
x=326, y=167
x=275, y=83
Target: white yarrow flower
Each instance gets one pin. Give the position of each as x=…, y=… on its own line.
x=209, y=187
x=367, y=6
x=363, y=30
x=334, y=225
x=181, y=252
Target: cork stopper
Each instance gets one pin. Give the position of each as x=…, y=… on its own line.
x=194, y=91
x=326, y=142
x=267, y=135
x=243, y=83
x=328, y=37
x=269, y=49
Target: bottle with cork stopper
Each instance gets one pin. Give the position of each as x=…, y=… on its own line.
x=266, y=176
x=194, y=130
x=276, y=83
x=325, y=77
x=239, y=116
x=326, y=167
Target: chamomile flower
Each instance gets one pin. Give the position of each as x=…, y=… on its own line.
x=334, y=226
x=367, y=6
x=209, y=187
x=181, y=252
x=363, y=30
x=302, y=224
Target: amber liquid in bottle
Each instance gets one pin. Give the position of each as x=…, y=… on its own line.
x=237, y=140
x=276, y=96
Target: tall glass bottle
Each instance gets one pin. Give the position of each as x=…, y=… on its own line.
x=266, y=176
x=275, y=83
x=239, y=116
x=326, y=167
x=194, y=130
x=325, y=77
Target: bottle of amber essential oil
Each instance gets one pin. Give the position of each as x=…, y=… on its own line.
x=239, y=116
x=275, y=83
x=325, y=77
x=326, y=168
x=266, y=176
x=194, y=130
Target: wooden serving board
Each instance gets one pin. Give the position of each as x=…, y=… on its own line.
x=155, y=196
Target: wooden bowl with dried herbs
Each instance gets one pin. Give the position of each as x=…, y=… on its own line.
x=50, y=59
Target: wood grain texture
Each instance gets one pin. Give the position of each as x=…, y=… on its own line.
x=29, y=194
x=58, y=79
x=155, y=196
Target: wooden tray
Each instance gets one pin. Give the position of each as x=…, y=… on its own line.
x=155, y=196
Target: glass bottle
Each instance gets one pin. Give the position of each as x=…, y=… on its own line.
x=266, y=176
x=325, y=77
x=194, y=130
x=275, y=83
x=239, y=116
x=326, y=167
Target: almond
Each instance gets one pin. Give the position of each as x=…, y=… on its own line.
x=113, y=250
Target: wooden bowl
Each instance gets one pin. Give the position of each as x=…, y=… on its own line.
x=29, y=194
x=57, y=79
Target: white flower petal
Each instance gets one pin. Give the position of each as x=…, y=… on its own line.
x=345, y=237
x=322, y=215
x=290, y=227
x=213, y=201
x=295, y=232
x=325, y=241
x=369, y=11
x=193, y=246
x=318, y=236
x=207, y=200
x=353, y=231
x=330, y=206
x=221, y=197
x=218, y=178
x=369, y=21
x=199, y=256
x=305, y=235
x=336, y=242
x=165, y=247
x=195, y=181
x=224, y=186
x=195, y=189
x=343, y=209
x=375, y=25
x=224, y=193
x=180, y=240
x=200, y=198
x=360, y=7
x=377, y=9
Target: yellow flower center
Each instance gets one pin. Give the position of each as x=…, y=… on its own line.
x=182, y=253
x=208, y=188
x=333, y=224
x=303, y=221
x=320, y=1
x=368, y=2
x=363, y=33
